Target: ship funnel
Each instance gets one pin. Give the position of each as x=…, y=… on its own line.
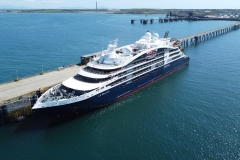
x=166, y=34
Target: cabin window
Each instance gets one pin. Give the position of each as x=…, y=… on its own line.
x=173, y=54
x=175, y=57
x=172, y=50
x=160, y=50
x=89, y=80
x=98, y=71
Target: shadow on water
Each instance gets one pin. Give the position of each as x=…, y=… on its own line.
x=33, y=122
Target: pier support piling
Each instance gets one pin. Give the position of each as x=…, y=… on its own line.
x=145, y=21
x=195, y=39
x=151, y=21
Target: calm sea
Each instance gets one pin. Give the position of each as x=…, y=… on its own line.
x=191, y=114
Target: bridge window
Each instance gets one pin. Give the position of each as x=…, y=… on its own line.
x=159, y=50
x=89, y=80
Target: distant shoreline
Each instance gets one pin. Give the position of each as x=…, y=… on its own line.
x=180, y=12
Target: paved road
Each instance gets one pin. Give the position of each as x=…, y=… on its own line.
x=25, y=86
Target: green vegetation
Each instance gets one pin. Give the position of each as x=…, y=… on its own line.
x=56, y=10
x=139, y=11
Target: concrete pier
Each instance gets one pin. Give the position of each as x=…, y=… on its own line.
x=197, y=38
x=28, y=85
x=176, y=19
x=16, y=98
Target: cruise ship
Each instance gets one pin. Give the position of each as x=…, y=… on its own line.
x=116, y=73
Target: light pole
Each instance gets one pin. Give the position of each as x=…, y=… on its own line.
x=42, y=71
x=17, y=79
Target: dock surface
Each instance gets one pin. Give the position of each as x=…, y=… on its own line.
x=28, y=85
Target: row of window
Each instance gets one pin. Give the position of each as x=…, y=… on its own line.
x=143, y=58
x=140, y=72
x=89, y=80
x=136, y=75
x=116, y=82
x=161, y=50
x=98, y=71
x=137, y=78
x=173, y=54
x=175, y=57
x=139, y=67
x=173, y=50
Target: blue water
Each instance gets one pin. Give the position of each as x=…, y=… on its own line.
x=32, y=42
x=191, y=114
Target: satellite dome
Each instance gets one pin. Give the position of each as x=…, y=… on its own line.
x=148, y=35
x=112, y=55
x=155, y=36
x=127, y=50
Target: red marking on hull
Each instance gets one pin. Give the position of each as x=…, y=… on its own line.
x=136, y=90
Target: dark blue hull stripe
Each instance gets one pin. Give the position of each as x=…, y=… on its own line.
x=115, y=93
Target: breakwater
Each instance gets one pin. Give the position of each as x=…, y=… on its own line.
x=176, y=19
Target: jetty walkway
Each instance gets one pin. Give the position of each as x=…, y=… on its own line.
x=176, y=19
x=31, y=84
x=196, y=38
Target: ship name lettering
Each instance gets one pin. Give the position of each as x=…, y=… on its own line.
x=105, y=93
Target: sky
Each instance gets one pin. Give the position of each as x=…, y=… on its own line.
x=120, y=4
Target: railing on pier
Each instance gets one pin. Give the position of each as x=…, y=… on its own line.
x=176, y=19
x=197, y=38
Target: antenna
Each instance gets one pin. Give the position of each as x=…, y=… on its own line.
x=102, y=44
x=115, y=41
x=102, y=41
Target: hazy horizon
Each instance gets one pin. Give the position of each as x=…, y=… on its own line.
x=117, y=4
